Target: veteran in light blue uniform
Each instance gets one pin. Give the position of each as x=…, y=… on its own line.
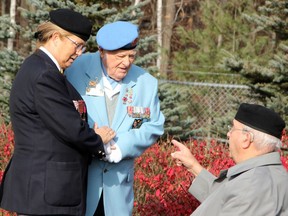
x=124, y=97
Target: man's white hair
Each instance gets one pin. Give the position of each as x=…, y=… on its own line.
x=263, y=141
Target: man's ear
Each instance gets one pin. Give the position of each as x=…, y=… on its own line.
x=247, y=140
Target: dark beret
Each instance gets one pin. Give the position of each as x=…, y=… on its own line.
x=72, y=22
x=260, y=118
x=118, y=35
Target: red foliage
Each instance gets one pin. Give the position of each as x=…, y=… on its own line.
x=6, y=146
x=161, y=187
x=6, y=150
x=284, y=153
x=158, y=190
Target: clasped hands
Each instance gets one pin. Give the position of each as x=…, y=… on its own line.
x=112, y=150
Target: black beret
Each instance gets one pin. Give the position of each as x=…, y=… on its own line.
x=72, y=22
x=260, y=118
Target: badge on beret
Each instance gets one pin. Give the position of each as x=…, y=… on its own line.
x=134, y=43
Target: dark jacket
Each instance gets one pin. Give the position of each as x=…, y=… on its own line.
x=48, y=171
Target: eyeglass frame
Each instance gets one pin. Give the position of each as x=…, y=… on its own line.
x=79, y=47
x=231, y=128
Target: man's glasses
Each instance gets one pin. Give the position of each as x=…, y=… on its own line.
x=79, y=47
x=231, y=128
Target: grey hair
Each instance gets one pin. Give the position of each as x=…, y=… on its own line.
x=264, y=141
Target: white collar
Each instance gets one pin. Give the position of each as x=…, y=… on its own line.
x=109, y=91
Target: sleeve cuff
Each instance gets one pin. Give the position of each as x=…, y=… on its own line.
x=116, y=155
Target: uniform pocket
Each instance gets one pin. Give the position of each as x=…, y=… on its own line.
x=63, y=183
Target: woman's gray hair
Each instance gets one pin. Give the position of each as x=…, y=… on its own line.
x=264, y=142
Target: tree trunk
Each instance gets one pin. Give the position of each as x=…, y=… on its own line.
x=12, y=19
x=168, y=22
x=159, y=33
x=3, y=5
x=25, y=45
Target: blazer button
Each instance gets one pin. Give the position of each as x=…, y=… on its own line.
x=105, y=170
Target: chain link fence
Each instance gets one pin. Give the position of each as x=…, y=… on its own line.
x=211, y=105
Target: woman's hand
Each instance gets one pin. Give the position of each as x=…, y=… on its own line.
x=106, y=133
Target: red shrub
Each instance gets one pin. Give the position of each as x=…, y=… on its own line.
x=161, y=187
x=6, y=146
x=6, y=150
x=284, y=153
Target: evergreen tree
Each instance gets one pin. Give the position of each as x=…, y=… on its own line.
x=219, y=28
x=9, y=64
x=99, y=12
x=175, y=109
x=222, y=30
x=268, y=79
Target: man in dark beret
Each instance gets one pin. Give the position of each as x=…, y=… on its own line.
x=258, y=183
x=124, y=96
x=54, y=144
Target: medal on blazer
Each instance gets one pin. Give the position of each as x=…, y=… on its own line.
x=138, y=112
x=128, y=96
x=91, y=84
x=81, y=108
x=94, y=88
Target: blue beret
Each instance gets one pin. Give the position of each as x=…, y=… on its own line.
x=72, y=22
x=117, y=35
x=260, y=118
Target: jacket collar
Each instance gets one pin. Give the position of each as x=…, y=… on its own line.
x=272, y=158
x=46, y=58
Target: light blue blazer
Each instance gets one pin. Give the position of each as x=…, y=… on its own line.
x=139, y=89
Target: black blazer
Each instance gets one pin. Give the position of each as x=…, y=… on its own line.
x=48, y=171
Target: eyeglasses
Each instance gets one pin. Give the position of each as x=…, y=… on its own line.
x=231, y=128
x=79, y=47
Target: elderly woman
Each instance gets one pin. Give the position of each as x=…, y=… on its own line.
x=47, y=174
